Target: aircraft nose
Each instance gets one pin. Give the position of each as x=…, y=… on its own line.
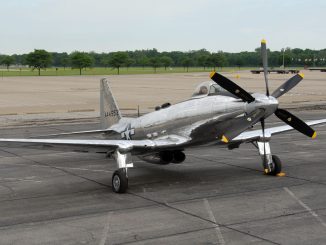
x=273, y=101
x=268, y=103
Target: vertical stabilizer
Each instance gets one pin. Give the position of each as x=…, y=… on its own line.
x=110, y=113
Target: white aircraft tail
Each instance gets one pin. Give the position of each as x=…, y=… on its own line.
x=110, y=113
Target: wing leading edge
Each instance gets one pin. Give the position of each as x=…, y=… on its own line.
x=256, y=134
x=132, y=146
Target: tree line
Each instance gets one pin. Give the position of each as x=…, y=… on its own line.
x=40, y=59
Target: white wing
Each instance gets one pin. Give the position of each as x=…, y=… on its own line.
x=256, y=134
x=134, y=146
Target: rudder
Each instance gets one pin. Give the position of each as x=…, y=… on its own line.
x=110, y=113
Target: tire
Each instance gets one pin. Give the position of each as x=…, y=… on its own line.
x=277, y=165
x=120, y=181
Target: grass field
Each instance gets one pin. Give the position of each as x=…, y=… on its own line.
x=107, y=71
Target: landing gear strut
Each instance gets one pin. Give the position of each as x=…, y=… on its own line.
x=120, y=176
x=271, y=163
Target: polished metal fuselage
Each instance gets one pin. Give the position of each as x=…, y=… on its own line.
x=190, y=118
x=203, y=119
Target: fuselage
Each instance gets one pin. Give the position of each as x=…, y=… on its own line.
x=183, y=118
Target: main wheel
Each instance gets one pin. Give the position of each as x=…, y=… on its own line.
x=120, y=181
x=277, y=165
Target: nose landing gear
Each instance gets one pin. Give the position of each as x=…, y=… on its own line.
x=276, y=166
x=271, y=163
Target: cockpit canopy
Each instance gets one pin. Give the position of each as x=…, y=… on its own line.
x=208, y=88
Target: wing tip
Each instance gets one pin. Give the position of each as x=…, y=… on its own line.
x=301, y=74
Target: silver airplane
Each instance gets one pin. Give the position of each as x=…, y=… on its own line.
x=219, y=113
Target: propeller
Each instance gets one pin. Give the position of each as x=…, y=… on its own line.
x=282, y=114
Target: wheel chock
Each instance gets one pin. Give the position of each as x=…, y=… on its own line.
x=282, y=174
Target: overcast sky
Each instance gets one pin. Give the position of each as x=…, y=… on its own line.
x=107, y=25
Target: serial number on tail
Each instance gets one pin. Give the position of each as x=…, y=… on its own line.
x=112, y=113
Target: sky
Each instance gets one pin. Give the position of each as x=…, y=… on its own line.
x=182, y=25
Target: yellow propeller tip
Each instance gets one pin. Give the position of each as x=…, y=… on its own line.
x=212, y=74
x=314, y=135
x=224, y=139
x=263, y=41
x=301, y=75
x=266, y=171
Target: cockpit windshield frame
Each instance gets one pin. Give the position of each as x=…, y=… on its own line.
x=208, y=88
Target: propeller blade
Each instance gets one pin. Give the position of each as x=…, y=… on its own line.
x=231, y=87
x=265, y=63
x=235, y=126
x=288, y=85
x=295, y=123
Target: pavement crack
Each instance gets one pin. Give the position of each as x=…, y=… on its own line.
x=165, y=236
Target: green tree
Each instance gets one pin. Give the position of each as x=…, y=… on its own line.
x=105, y=61
x=166, y=61
x=118, y=59
x=81, y=60
x=186, y=62
x=239, y=62
x=203, y=60
x=20, y=59
x=39, y=59
x=144, y=61
x=155, y=62
x=129, y=62
x=218, y=60
x=64, y=60
x=7, y=61
x=293, y=57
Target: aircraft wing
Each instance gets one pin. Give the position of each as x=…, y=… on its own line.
x=132, y=146
x=253, y=135
x=78, y=133
x=115, y=129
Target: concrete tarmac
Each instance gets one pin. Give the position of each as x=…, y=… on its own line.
x=216, y=196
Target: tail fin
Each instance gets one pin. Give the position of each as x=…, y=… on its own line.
x=110, y=113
